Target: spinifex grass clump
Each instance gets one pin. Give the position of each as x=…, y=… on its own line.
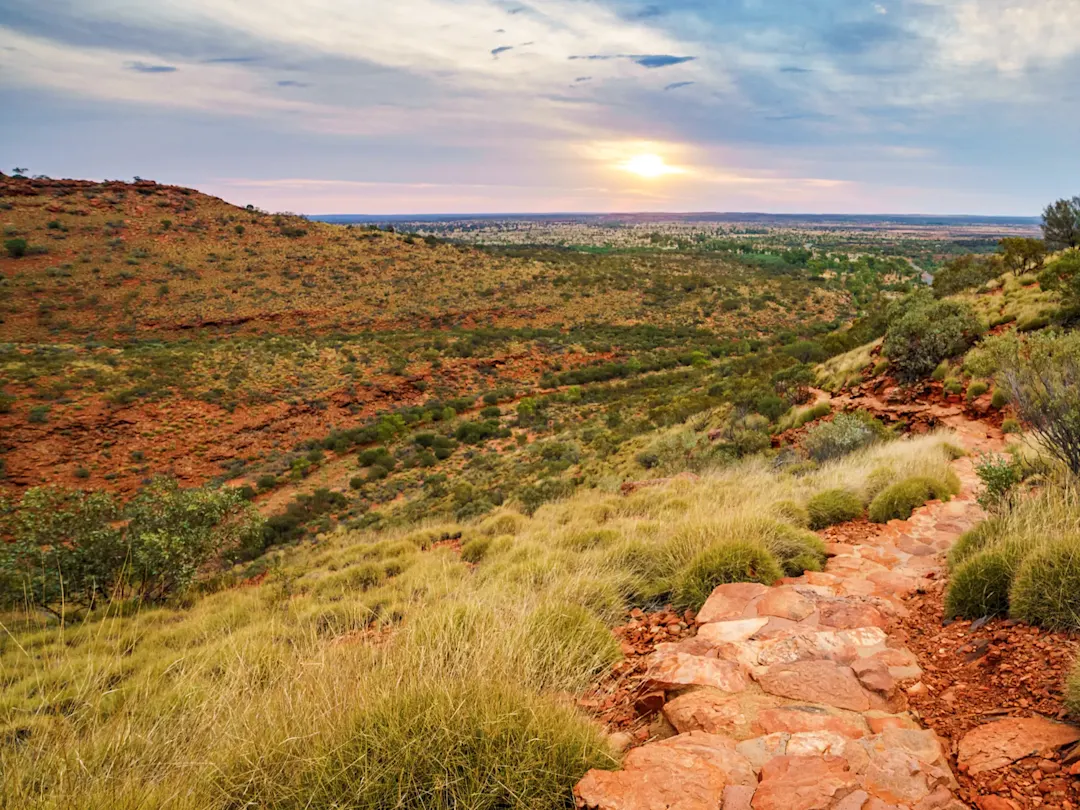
x=833, y=506
x=898, y=501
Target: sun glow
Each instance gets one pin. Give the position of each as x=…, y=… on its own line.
x=649, y=166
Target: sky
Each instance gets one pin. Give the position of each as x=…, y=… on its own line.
x=497, y=106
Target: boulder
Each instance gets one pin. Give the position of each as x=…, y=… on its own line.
x=816, y=682
x=802, y=783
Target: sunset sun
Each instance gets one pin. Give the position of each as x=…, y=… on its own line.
x=649, y=166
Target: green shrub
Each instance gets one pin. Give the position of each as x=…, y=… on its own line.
x=976, y=389
x=899, y=500
x=16, y=248
x=941, y=373
x=266, y=481
x=39, y=414
x=980, y=585
x=1010, y=426
x=922, y=332
x=879, y=479
x=843, y=435
x=1000, y=476
x=833, y=506
x=573, y=636
x=953, y=386
x=733, y=561
x=999, y=399
x=975, y=540
x=964, y=273
x=796, y=550
x=1046, y=590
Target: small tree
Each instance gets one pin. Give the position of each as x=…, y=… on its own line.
x=1042, y=376
x=1063, y=275
x=922, y=332
x=1061, y=224
x=19, y=172
x=965, y=272
x=1021, y=255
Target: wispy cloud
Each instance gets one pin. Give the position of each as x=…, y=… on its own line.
x=677, y=85
x=144, y=67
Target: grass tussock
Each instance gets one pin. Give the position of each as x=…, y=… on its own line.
x=833, y=506
x=379, y=670
x=845, y=370
x=1024, y=562
x=898, y=501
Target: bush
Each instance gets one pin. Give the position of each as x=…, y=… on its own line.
x=980, y=585
x=720, y=564
x=16, y=248
x=68, y=549
x=473, y=551
x=923, y=332
x=266, y=481
x=1046, y=590
x=965, y=273
x=999, y=399
x=39, y=414
x=1010, y=426
x=843, y=435
x=833, y=506
x=976, y=389
x=1000, y=477
x=898, y=501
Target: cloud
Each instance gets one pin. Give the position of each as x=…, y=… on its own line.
x=792, y=69
x=646, y=60
x=661, y=60
x=292, y=83
x=501, y=49
x=143, y=67
x=677, y=85
x=583, y=79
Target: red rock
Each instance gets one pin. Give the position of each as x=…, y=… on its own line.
x=785, y=603
x=716, y=712
x=846, y=615
x=817, y=682
x=738, y=797
x=996, y=803
x=879, y=721
x=1048, y=766
x=998, y=744
x=732, y=631
x=874, y=676
x=802, y=783
x=730, y=601
x=672, y=670
x=687, y=772
x=795, y=719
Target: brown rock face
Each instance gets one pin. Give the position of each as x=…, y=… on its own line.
x=785, y=603
x=688, y=772
x=997, y=744
x=816, y=682
x=802, y=783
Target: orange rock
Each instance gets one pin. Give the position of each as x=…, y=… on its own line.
x=817, y=682
x=802, y=783
x=730, y=601
x=795, y=719
x=995, y=745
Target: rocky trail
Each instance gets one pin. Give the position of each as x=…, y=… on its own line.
x=811, y=693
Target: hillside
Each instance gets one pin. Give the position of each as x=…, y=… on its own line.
x=151, y=329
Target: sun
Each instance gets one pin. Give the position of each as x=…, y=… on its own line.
x=649, y=165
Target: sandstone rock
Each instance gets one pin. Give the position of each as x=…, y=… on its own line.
x=785, y=603
x=738, y=797
x=879, y=721
x=802, y=783
x=853, y=801
x=997, y=744
x=795, y=719
x=649, y=703
x=761, y=750
x=716, y=712
x=732, y=631
x=730, y=601
x=996, y=803
x=846, y=615
x=817, y=682
x=680, y=669
x=688, y=772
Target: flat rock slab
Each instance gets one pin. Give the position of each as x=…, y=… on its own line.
x=736, y=715
x=803, y=783
x=817, y=682
x=687, y=772
x=730, y=601
x=677, y=669
x=1000, y=743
